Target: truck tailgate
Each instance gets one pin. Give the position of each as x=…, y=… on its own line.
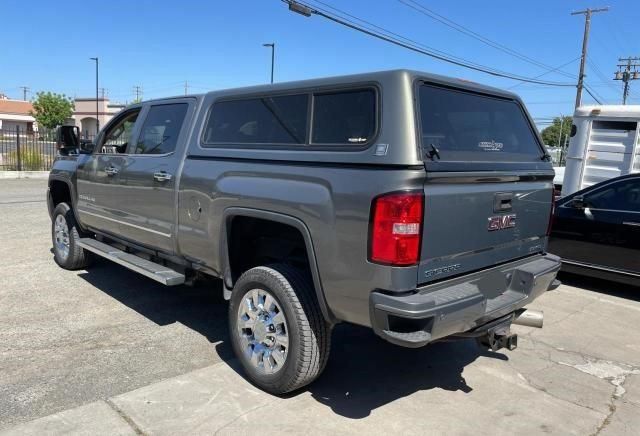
x=469, y=225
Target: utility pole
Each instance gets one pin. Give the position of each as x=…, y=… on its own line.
x=186, y=87
x=560, y=132
x=585, y=41
x=25, y=89
x=138, y=91
x=627, y=72
x=103, y=92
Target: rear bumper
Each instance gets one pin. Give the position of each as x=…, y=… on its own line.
x=461, y=304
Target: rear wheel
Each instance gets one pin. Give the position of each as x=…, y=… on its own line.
x=65, y=236
x=277, y=330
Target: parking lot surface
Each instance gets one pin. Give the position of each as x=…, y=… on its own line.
x=106, y=351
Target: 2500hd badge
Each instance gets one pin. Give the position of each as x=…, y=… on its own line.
x=442, y=270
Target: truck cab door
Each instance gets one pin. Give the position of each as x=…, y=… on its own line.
x=99, y=177
x=150, y=176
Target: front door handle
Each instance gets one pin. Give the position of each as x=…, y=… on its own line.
x=631, y=223
x=162, y=176
x=111, y=171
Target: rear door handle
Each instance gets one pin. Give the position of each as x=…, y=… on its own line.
x=162, y=176
x=111, y=171
x=631, y=223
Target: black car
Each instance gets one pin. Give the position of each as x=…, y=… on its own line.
x=596, y=231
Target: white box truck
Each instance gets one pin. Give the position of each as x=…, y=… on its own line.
x=604, y=144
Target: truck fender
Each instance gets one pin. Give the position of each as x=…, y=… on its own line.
x=232, y=212
x=72, y=194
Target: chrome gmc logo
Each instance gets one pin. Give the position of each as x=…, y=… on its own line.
x=501, y=222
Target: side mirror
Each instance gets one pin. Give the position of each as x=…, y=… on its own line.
x=578, y=202
x=67, y=139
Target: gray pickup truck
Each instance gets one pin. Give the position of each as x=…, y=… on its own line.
x=414, y=204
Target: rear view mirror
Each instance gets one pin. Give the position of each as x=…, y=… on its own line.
x=578, y=202
x=67, y=139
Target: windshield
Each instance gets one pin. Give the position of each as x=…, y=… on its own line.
x=465, y=126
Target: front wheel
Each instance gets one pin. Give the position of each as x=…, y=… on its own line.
x=65, y=236
x=277, y=330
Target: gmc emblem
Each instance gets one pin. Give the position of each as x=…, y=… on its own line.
x=501, y=222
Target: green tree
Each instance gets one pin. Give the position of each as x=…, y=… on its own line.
x=51, y=109
x=551, y=134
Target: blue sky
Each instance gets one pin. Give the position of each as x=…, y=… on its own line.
x=218, y=44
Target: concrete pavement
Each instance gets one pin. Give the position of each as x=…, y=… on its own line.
x=100, y=352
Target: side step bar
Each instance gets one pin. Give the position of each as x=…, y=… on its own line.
x=159, y=273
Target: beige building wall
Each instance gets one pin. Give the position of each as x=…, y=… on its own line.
x=85, y=114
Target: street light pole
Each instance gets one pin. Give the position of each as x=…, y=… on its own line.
x=97, y=111
x=273, y=56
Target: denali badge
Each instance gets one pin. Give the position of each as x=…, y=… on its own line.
x=500, y=222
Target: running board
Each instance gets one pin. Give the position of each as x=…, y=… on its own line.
x=157, y=272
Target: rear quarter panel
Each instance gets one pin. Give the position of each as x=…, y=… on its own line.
x=333, y=203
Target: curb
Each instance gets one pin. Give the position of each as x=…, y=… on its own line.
x=24, y=175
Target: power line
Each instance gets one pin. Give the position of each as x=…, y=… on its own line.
x=305, y=9
x=601, y=75
x=598, y=100
x=547, y=72
x=466, y=31
x=387, y=31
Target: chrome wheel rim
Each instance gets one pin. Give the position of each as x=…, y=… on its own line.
x=262, y=330
x=61, y=236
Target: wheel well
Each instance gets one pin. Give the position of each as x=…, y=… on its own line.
x=60, y=193
x=255, y=241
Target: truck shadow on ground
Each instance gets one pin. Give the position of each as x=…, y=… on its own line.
x=364, y=372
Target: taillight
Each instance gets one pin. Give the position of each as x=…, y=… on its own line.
x=553, y=209
x=396, y=227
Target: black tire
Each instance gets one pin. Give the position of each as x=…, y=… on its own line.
x=309, y=334
x=77, y=257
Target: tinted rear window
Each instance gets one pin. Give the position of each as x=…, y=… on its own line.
x=465, y=126
x=266, y=120
x=344, y=117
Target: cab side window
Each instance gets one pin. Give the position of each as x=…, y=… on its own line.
x=161, y=128
x=622, y=196
x=117, y=137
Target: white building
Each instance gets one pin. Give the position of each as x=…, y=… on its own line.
x=14, y=114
